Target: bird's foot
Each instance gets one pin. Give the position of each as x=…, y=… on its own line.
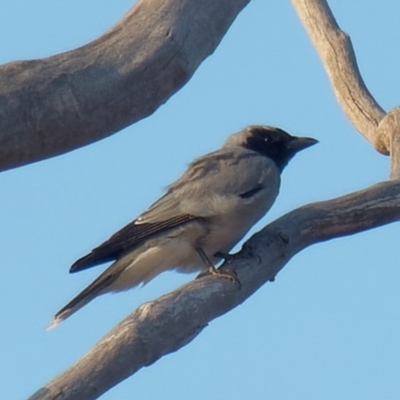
x=211, y=270
x=226, y=274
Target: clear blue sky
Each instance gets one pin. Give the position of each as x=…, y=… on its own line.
x=328, y=328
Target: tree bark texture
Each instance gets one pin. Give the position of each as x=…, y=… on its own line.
x=57, y=104
x=166, y=324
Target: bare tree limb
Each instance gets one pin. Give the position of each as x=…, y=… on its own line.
x=166, y=324
x=60, y=103
x=336, y=52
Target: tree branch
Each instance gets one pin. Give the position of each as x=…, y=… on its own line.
x=166, y=324
x=336, y=52
x=60, y=103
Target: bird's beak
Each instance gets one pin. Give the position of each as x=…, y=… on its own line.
x=301, y=143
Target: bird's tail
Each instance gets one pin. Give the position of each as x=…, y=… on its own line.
x=88, y=294
x=122, y=275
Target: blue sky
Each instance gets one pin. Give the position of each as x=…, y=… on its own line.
x=327, y=328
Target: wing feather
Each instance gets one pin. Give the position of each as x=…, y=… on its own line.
x=127, y=239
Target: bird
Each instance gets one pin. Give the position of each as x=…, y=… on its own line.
x=199, y=219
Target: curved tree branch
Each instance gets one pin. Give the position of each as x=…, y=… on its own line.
x=60, y=103
x=170, y=322
x=337, y=54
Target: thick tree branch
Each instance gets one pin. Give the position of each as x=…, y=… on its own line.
x=336, y=52
x=164, y=325
x=57, y=104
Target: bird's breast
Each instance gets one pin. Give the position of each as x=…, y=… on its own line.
x=236, y=219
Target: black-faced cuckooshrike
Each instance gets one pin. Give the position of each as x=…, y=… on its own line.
x=200, y=217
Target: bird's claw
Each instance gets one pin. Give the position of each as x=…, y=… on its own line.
x=226, y=274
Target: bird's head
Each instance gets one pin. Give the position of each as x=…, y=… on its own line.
x=271, y=142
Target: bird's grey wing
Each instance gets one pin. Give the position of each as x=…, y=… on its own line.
x=166, y=213
x=127, y=239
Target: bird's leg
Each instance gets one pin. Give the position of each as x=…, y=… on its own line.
x=231, y=275
x=211, y=269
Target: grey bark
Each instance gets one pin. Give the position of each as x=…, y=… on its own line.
x=57, y=104
x=164, y=325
